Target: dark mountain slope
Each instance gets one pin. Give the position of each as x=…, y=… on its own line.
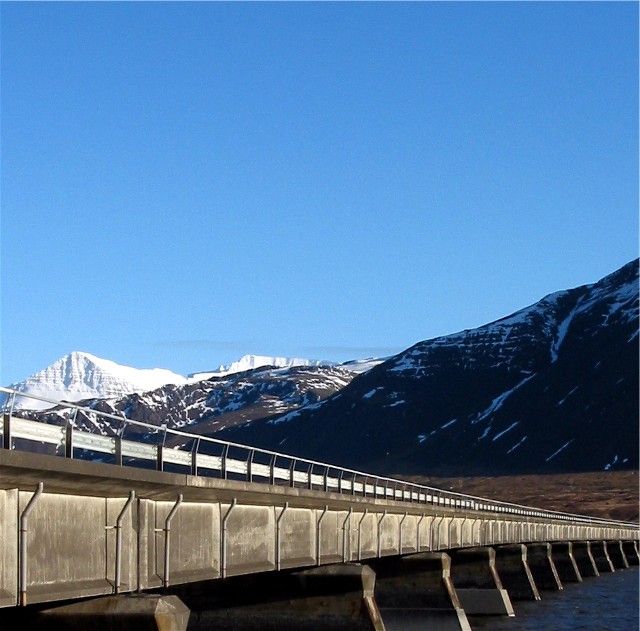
x=551, y=388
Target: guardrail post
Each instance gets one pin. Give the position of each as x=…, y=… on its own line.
x=159, y=461
x=223, y=463
x=292, y=468
x=6, y=431
x=309, y=474
x=272, y=470
x=194, y=457
x=118, y=450
x=250, y=465
x=68, y=442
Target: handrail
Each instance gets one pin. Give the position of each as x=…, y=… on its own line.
x=409, y=492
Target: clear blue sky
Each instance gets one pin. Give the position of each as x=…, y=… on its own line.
x=183, y=183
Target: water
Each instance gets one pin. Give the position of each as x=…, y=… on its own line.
x=605, y=603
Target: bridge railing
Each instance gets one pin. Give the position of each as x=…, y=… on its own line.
x=165, y=448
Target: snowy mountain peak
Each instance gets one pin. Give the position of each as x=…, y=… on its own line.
x=81, y=375
x=251, y=362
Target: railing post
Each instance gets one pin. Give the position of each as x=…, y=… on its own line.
x=194, y=457
x=159, y=461
x=292, y=468
x=6, y=431
x=250, y=465
x=118, y=450
x=309, y=474
x=223, y=463
x=272, y=470
x=68, y=441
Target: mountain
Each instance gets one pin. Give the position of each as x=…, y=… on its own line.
x=81, y=375
x=251, y=362
x=550, y=388
x=208, y=406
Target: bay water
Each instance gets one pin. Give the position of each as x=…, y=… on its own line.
x=609, y=602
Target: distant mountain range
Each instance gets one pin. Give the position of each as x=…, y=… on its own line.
x=550, y=388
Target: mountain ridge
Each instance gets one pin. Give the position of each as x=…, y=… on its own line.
x=550, y=388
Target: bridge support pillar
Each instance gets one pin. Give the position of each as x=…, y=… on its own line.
x=601, y=556
x=416, y=591
x=584, y=558
x=542, y=567
x=140, y=612
x=328, y=597
x=617, y=555
x=478, y=584
x=513, y=567
x=564, y=560
x=631, y=552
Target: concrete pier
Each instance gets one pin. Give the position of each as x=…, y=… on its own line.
x=617, y=555
x=330, y=597
x=144, y=612
x=418, y=588
x=513, y=567
x=542, y=567
x=584, y=558
x=601, y=556
x=478, y=583
x=564, y=560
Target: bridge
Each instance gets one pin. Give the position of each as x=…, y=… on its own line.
x=140, y=520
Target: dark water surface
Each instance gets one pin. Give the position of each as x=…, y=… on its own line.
x=605, y=603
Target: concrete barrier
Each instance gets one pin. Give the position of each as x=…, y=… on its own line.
x=513, y=568
x=478, y=583
x=417, y=590
x=542, y=566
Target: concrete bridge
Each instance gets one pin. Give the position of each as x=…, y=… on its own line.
x=252, y=539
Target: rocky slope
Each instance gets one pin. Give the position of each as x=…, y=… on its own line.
x=551, y=388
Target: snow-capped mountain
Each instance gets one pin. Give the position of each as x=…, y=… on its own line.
x=208, y=406
x=251, y=362
x=551, y=388
x=81, y=375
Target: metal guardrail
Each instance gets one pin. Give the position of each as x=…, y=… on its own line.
x=257, y=465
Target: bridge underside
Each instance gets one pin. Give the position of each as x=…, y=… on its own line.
x=93, y=529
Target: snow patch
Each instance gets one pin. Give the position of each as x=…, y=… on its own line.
x=503, y=432
x=555, y=453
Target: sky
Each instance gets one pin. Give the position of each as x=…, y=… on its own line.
x=184, y=183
